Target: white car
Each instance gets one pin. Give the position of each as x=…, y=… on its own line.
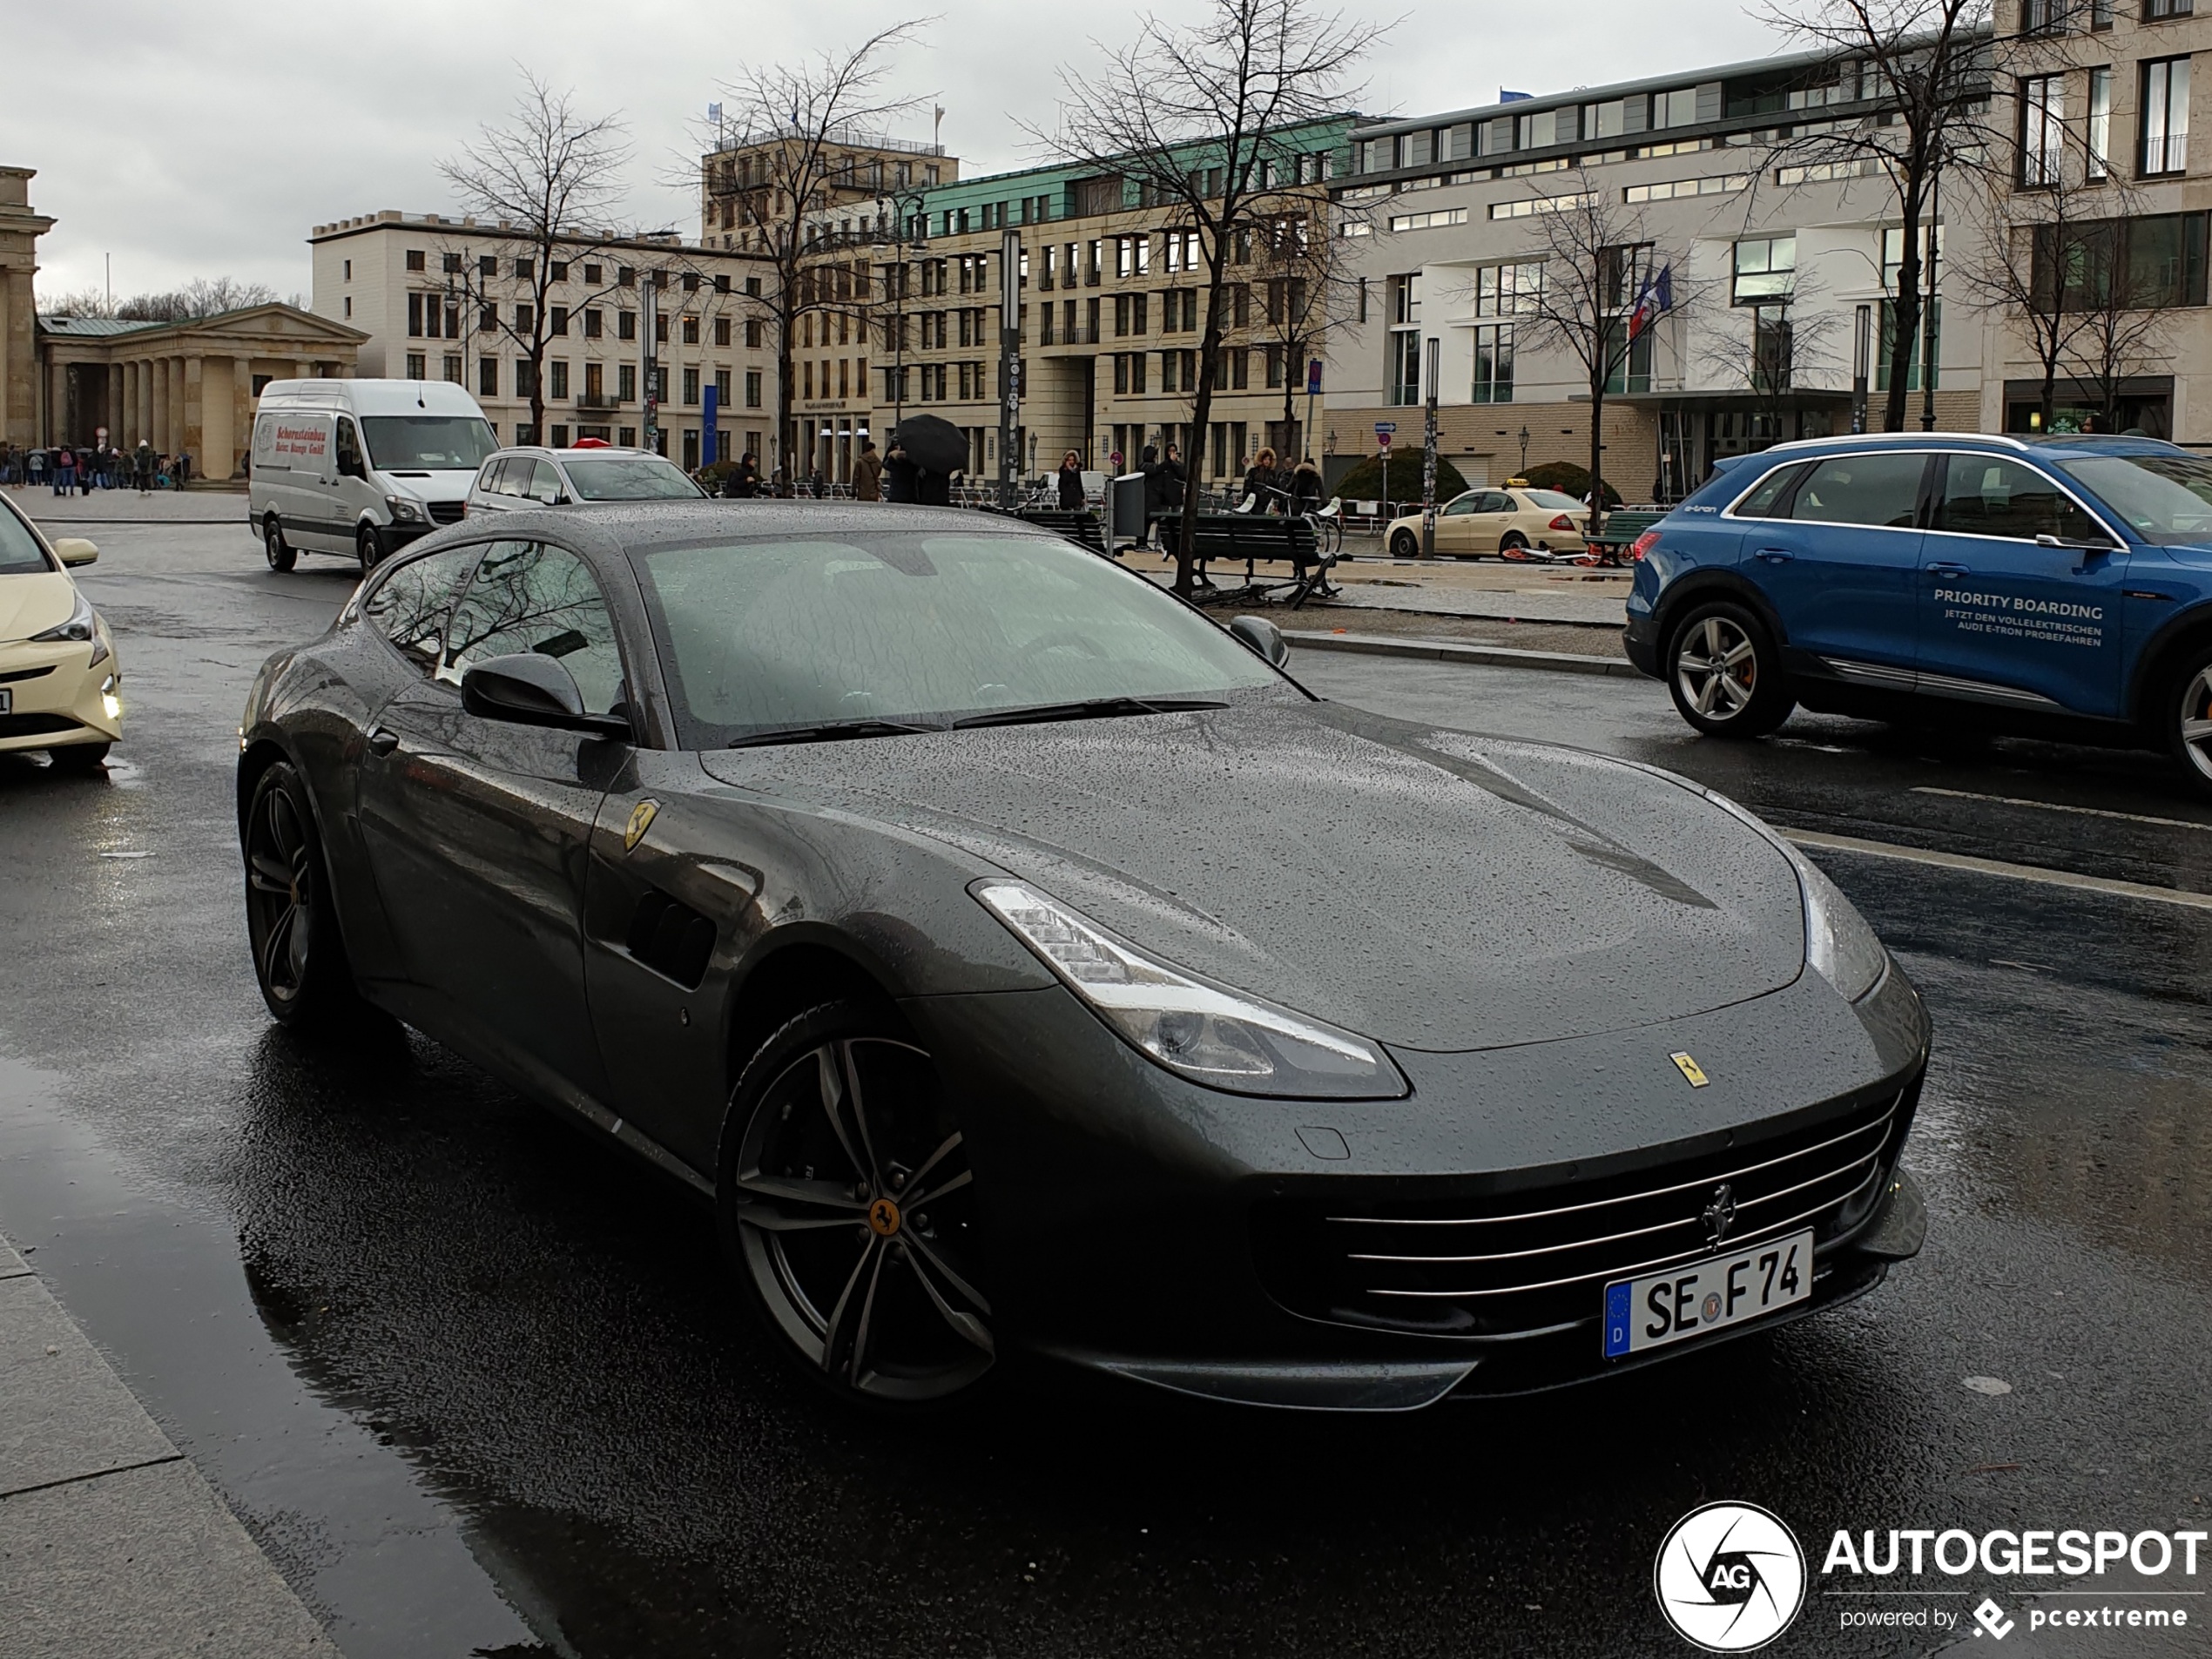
x=529, y=475
x=60, y=684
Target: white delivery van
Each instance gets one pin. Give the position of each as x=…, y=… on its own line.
x=361, y=468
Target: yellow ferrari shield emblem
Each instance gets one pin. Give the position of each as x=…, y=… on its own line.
x=641, y=820
x=1690, y=1069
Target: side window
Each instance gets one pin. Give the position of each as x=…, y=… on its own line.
x=488, y=478
x=1991, y=496
x=350, y=449
x=545, y=484
x=1496, y=501
x=1862, y=490
x=1464, y=504
x=1760, y=503
x=533, y=597
x=409, y=605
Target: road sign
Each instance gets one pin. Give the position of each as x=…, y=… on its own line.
x=1384, y=428
x=1313, y=377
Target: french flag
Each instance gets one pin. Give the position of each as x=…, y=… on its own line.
x=1658, y=296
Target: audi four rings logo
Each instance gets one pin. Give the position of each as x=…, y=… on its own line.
x=1729, y=1577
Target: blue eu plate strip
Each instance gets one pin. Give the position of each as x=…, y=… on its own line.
x=1616, y=1320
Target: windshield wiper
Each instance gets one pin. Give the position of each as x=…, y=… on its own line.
x=831, y=732
x=1091, y=709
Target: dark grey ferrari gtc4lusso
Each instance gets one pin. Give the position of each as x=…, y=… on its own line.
x=1023, y=963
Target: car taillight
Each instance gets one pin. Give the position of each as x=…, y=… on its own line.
x=1562, y=523
x=1643, y=544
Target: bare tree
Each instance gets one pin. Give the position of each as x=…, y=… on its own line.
x=797, y=126
x=1913, y=86
x=1214, y=121
x=1604, y=288
x=547, y=179
x=1775, y=356
x=77, y=302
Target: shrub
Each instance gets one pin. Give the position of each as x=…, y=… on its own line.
x=1366, y=482
x=1569, y=480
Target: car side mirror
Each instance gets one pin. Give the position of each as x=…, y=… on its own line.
x=349, y=468
x=1263, y=638
x=528, y=689
x=75, y=549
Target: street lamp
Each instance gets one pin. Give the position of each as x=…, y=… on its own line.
x=894, y=283
x=1524, y=452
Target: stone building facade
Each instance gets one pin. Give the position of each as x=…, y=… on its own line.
x=20, y=229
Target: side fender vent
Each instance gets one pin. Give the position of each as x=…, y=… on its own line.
x=670, y=938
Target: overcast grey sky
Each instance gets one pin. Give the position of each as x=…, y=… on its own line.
x=205, y=139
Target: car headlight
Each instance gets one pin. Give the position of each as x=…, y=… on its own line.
x=1225, y=1039
x=403, y=510
x=1838, y=943
x=82, y=625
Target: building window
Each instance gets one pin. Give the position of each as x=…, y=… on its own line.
x=488, y=377
x=591, y=274
x=625, y=325
x=626, y=382
x=2098, y=135
x=1766, y=268
x=525, y=378
x=2166, y=116
x=691, y=386
x=595, y=384
x=591, y=321
x=722, y=387
x=560, y=377
x=753, y=332
x=525, y=270
x=451, y=263
x=1771, y=347
x=2160, y=11
x=1932, y=239
x=1931, y=320
x=560, y=437
x=350, y=305
x=1494, y=363
x=721, y=331
x=416, y=366
x=690, y=331
x=2042, y=137
x=415, y=259
x=453, y=367
x=556, y=319
x=752, y=388
x=525, y=318
x=660, y=328
x=1405, y=342
x=349, y=270
x=1507, y=290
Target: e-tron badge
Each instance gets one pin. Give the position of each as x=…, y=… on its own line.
x=1729, y=1577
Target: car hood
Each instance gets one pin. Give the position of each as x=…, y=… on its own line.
x=30, y=604
x=1431, y=888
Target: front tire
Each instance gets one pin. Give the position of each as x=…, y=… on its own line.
x=1405, y=545
x=368, y=548
x=298, y=955
x=281, y=555
x=1724, y=672
x=2188, y=719
x=78, y=757
x=848, y=1211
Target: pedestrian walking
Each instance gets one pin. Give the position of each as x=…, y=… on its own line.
x=1070, y=477
x=64, y=471
x=899, y=474
x=867, y=473
x=143, y=464
x=1165, y=481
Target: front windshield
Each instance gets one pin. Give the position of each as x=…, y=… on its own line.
x=427, y=442
x=1552, y=501
x=20, y=554
x=917, y=626
x=2165, y=499
x=630, y=478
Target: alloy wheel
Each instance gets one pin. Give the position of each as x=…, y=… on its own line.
x=855, y=1212
x=279, y=894
x=2196, y=721
x=1718, y=667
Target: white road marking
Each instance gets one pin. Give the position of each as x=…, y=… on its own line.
x=1993, y=866
x=2061, y=806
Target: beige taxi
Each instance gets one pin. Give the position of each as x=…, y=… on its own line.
x=1511, y=521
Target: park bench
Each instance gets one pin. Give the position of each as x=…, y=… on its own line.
x=1077, y=524
x=1621, y=527
x=1261, y=538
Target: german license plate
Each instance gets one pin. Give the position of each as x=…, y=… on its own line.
x=1701, y=1297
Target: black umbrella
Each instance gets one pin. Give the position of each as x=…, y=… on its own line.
x=932, y=443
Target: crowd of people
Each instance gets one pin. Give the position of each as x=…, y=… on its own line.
x=72, y=469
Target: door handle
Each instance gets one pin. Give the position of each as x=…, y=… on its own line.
x=1776, y=555
x=382, y=741
x=1948, y=570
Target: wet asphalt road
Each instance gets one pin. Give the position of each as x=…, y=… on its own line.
x=480, y=1387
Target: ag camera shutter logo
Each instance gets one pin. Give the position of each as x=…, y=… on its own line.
x=1729, y=1577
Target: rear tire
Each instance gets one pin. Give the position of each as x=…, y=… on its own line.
x=281, y=555
x=368, y=548
x=1405, y=545
x=848, y=1211
x=2186, y=718
x=78, y=757
x=1724, y=672
x=1512, y=545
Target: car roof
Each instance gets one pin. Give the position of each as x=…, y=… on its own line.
x=551, y=454
x=2075, y=443
x=612, y=529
